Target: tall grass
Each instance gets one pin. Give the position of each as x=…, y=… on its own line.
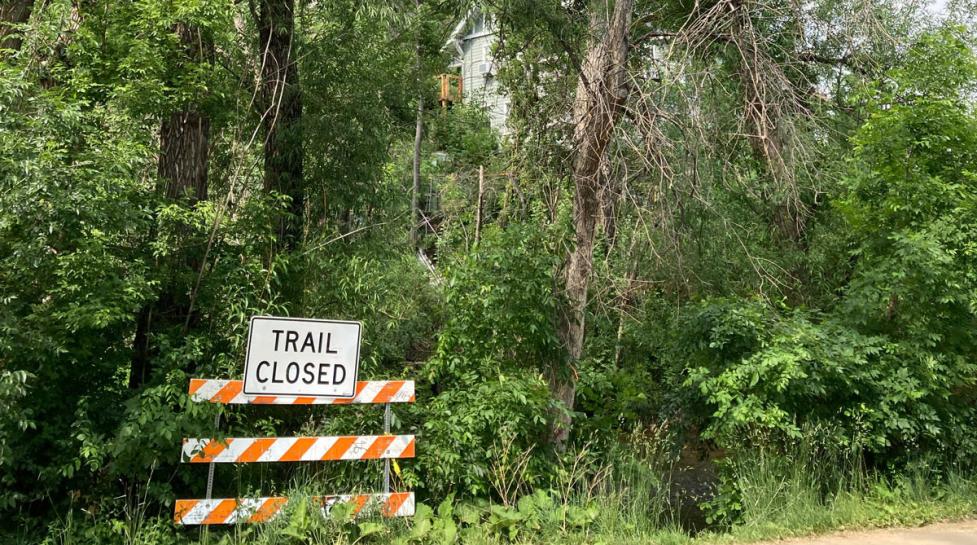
x=625, y=496
x=813, y=488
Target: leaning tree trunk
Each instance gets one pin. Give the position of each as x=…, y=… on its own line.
x=600, y=95
x=13, y=12
x=282, y=116
x=415, y=201
x=184, y=138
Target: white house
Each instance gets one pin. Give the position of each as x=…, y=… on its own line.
x=471, y=43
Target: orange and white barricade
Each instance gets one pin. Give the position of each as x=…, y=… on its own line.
x=240, y=450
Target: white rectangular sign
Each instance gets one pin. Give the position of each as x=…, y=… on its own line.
x=302, y=357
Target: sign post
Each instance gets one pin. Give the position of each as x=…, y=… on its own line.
x=293, y=361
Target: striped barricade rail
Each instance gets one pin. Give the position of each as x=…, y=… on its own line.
x=231, y=392
x=241, y=450
x=253, y=510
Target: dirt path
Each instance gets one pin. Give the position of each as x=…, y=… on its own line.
x=947, y=533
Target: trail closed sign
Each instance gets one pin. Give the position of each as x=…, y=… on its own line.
x=302, y=357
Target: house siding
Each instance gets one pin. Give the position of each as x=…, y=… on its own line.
x=480, y=88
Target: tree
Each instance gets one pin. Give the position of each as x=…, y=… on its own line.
x=415, y=211
x=281, y=115
x=601, y=92
x=184, y=137
x=13, y=12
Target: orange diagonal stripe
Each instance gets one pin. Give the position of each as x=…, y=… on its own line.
x=339, y=448
x=303, y=401
x=378, y=447
x=359, y=500
x=263, y=400
x=227, y=393
x=196, y=384
x=409, y=450
x=388, y=391
x=255, y=450
x=394, y=502
x=356, y=394
x=210, y=451
x=220, y=513
x=295, y=452
x=268, y=509
x=182, y=509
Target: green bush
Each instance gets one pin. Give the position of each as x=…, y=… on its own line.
x=891, y=366
x=498, y=338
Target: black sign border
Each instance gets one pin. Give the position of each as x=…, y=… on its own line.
x=356, y=365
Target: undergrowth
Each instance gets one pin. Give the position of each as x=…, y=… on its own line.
x=623, y=495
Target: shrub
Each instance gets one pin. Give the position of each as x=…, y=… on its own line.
x=487, y=373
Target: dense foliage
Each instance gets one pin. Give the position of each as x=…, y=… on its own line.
x=784, y=254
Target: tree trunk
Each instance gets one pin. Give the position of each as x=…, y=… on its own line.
x=282, y=115
x=184, y=138
x=184, y=144
x=415, y=196
x=600, y=95
x=478, y=204
x=13, y=12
